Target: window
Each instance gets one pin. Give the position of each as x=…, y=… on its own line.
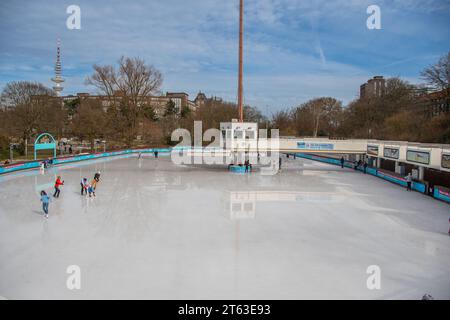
x=248, y=207
x=373, y=150
x=391, y=153
x=418, y=156
x=236, y=207
x=238, y=134
x=445, y=163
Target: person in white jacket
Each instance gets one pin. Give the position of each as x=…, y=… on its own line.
x=408, y=181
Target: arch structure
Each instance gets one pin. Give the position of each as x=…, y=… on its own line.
x=44, y=141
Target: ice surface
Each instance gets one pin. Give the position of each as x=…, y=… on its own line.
x=157, y=231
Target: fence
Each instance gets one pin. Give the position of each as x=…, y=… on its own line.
x=439, y=192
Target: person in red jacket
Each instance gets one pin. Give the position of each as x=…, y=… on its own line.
x=58, y=183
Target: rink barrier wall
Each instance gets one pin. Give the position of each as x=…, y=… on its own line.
x=237, y=169
x=60, y=161
x=417, y=186
x=442, y=194
x=439, y=193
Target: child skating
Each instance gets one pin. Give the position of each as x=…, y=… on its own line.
x=45, y=199
x=91, y=189
x=84, y=186
x=94, y=183
x=96, y=180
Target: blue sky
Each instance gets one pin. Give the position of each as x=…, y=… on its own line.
x=294, y=49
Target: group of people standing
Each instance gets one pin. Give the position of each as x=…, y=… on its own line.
x=86, y=188
x=89, y=188
x=46, y=163
x=356, y=164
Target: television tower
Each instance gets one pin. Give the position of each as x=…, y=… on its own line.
x=241, y=65
x=58, y=79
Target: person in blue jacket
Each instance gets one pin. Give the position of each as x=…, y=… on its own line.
x=45, y=199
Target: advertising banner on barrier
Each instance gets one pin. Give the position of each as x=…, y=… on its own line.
x=314, y=146
x=442, y=194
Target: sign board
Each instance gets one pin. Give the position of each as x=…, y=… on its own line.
x=314, y=146
x=392, y=153
x=372, y=150
x=418, y=156
x=445, y=163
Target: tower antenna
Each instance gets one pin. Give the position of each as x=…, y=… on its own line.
x=58, y=79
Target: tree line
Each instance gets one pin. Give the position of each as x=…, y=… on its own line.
x=404, y=112
x=124, y=119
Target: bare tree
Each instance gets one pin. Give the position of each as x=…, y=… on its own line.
x=133, y=80
x=438, y=75
x=322, y=109
x=25, y=104
x=282, y=120
x=25, y=120
x=21, y=92
x=89, y=121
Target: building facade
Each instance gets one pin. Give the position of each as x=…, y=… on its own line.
x=375, y=87
x=158, y=103
x=437, y=103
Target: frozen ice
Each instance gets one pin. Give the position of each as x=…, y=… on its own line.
x=157, y=230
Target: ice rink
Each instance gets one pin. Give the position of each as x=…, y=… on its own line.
x=160, y=231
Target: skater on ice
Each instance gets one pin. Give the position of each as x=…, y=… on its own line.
x=96, y=180
x=58, y=184
x=84, y=186
x=45, y=199
x=91, y=189
x=93, y=184
x=97, y=176
x=248, y=166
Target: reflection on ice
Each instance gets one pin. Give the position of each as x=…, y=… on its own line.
x=243, y=204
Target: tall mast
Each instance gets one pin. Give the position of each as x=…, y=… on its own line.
x=58, y=79
x=241, y=58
